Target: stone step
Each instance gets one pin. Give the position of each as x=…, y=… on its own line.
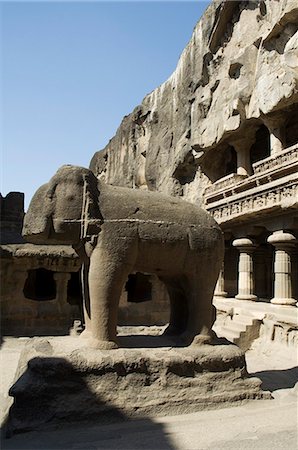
x=241, y=334
x=236, y=326
x=242, y=319
x=229, y=334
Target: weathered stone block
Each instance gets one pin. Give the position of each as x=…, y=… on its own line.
x=80, y=384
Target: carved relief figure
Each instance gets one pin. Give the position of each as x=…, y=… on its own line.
x=117, y=231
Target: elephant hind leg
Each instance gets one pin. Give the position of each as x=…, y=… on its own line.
x=178, y=304
x=201, y=310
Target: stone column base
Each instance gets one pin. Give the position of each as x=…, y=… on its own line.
x=221, y=294
x=249, y=297
x=283, y=301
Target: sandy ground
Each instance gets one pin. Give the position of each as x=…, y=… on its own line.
x=262, y=424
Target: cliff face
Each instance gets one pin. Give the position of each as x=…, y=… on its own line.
x=240, y=66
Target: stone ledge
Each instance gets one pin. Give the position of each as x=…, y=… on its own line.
x=258, y=309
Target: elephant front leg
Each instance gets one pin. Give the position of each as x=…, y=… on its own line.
x=107, y=275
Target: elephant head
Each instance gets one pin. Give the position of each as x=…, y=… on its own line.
x=64, y=210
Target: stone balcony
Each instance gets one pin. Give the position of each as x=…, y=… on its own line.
x=272, y=186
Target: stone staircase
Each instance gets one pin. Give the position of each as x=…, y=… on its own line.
x=240, y=329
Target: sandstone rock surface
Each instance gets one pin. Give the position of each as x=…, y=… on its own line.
x=240, y=65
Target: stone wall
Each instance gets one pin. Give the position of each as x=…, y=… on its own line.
x=40, y=292
x=11, y=217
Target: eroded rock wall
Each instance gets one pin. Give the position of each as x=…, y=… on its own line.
x=240, y=65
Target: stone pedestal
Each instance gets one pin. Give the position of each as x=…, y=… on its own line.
x=61, y=382
x=246, y=248
x=283, y=243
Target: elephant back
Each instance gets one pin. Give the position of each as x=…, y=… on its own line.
x=133, y=204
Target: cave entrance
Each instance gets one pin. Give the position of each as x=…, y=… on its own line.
x=40, y=285
x=220, y=162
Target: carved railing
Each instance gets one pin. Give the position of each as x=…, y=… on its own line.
x=277, y=161
x=226, y=182
x=274, y=184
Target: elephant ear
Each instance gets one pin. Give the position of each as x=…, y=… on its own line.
x=91, y=215
x=36, y=220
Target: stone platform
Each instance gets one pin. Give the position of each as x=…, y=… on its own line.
x=62, y=381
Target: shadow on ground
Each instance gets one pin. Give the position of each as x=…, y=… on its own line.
x=159, y=341
x=273, y=380
x=52, y=396
x=147, y=341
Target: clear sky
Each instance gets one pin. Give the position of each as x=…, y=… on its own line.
x=72, y=70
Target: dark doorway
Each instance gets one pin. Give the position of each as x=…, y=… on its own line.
x=74, y=289
x=263, y=271
x=291, y=131
x=40, y=285
x=231, y=160
x=261, y=148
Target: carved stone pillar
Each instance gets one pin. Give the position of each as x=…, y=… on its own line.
x=18, y=281
x=61, y=279
x=242, y=148
x=284, y=244
x=220, y=285
x=246, y=248
x=276, y=128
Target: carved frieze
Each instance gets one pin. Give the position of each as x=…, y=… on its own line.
x=255, y=203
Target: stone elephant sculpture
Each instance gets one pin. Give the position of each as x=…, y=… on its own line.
x=119, y=230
